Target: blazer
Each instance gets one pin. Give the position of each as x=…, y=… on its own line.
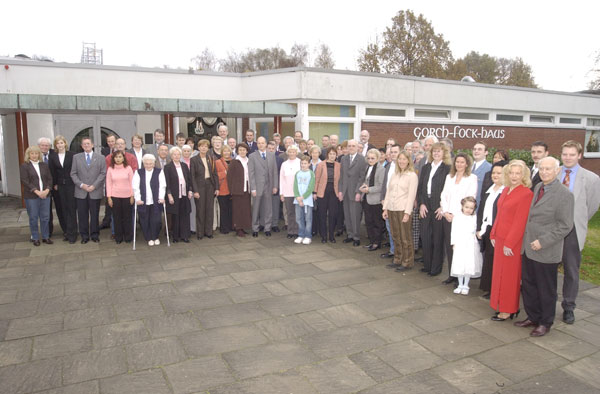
x=587, y=200
x=535, y=180
x=172, y=180
x=369, y=147
x=61, y=174
x=484, y=198
x=549, y=221
x=374, y=195
x=421, y=163
x=480, y=172
x=198, y=173
x=222, y=167
x=437, y=186
x=262, y=173
x=31, y=180
x=235, y=178
x=252, y=147
x=321, y=178
x=153, y=149
x=94, y=174
x=157, y=162
x=352, y=175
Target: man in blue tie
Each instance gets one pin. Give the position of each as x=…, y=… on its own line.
x=264, y=182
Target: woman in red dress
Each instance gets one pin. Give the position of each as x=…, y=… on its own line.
x=507, y=237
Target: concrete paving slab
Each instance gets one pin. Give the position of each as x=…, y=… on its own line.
x=470, y=376
x=222, y=340
x=342, y=342
x=15, y=352
x=552, y=382
x=30, y=377
x=338, y=375
x=171, y=324
x=96, y=364
x=586, y=369
x=289, y=382
x=147, y=382
x=198, y=375
x=378, y=370
x=155, y=353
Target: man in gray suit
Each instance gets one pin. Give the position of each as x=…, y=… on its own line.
x=550, y=220
x=264, y=182
x=480, y=166
x=352, y=176
x=159, y=139
x=88, y=173
x=585, y=186
x=162, y=156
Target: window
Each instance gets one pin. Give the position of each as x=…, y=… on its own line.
x=431, y=113
x=318, y=129
x=473, y=116
x=509, y=118
x=75, y=145
x=338, y=111
x=593, y=122
x=265, y=129
x=385, y=112
x=541, y=119
x=570, y=120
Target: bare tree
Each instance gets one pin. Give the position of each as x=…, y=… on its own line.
x=324, y=58
x=205, y=61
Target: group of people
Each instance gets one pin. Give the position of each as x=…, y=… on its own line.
x=502, y=222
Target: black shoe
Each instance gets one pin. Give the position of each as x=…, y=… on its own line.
x=209, y=236
x=433, y=273
x=36, y=242
x=356, y=243
x=391, y=266
x=84, y=240
x=373, y=247
x=174, y=240
x=339, y=233
x=199, y=237
x=186, y=240
x=118, y=242
x=255, y=234
x=314, y=233
x=261, y=228
x=71, y=241
x=65, y=238
x=511, y=316
x=267, y=233
x=419, y=260
x=424, y=270
x=348, y=240
x=402, y=269
x=47, y=241
x=332, y=240
x=95, y=240
x=323, y=240
x=193, y=232
x=367, y=246
x=449, y=280
x=387, y=255
x=486, y=296
x=275, y=229
x=290, y=236
x=569, y=317
x=386, y=245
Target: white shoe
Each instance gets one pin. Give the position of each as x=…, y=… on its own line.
x=306, y=241
x=458, y=290
x=298, y=240
x=464, y=291
x=150, y=243
x=157, y=242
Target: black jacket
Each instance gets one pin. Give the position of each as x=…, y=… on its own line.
x=437, y=185
x=61, y=174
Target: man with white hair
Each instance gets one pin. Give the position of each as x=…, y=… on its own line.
x=223, y=131
x=287, y=142
x=550, y=220
x=427, y=143
x=45, y=146
x=364, y=139
x=232, y=143
x=334, y=140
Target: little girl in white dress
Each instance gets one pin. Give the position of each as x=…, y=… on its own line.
x=467, y=259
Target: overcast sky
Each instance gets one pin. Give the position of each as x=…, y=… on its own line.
x=558, y=39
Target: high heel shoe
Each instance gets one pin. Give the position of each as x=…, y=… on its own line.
x=496, y=317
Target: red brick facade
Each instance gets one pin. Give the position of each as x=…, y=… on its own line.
x=465, y=136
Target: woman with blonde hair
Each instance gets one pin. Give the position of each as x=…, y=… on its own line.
x=459, y=183
x=506, y=237
x=37, y=182
x=60, y=161
x=398, y=206
x=371, y=199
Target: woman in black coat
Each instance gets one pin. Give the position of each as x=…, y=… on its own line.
x=60, y=161
x=37, y=182
x=179, y=192
x=486, y=214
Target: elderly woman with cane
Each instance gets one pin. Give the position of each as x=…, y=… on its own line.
x=149, y=187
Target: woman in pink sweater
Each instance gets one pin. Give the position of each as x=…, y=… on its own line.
x=119, y=194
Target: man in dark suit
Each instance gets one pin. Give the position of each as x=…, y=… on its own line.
x=45, y=146
x=159, y=139
x=352, y=176
x=364, y=139
x=585, y=186
x=480, y=166
x=162, y=156
x=88, y=173
x=539, y=150
x=550, y=220
x=249, y=140
x=264, y=182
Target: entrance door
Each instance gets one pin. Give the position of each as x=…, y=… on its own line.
x=97, y=127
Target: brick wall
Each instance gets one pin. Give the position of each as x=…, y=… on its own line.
x=514, y=137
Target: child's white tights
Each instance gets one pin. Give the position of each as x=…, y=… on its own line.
x=463, y=281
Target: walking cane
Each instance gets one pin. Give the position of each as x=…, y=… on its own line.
x=166, y=223
x=134, y=223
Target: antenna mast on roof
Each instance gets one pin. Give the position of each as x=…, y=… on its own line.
x=91, y=55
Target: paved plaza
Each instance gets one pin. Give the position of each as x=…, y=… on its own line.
x=262, y=315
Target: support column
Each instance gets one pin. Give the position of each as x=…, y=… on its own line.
x=22, y=142
x=277, y=124
x=168, y=127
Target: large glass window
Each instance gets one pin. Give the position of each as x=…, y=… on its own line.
x=337, y=111
x=431, y=113
x=570, y=120
x=541, y=119
x=593, y=122
x=473, y=116
x=509, y=118
x=318, y=129
x=265, y=129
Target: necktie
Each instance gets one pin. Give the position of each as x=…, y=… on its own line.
x=88, y=160
x=46, y=158
x=539, y=197
x=567, y=180
x=264, y=156
x=474, y=167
